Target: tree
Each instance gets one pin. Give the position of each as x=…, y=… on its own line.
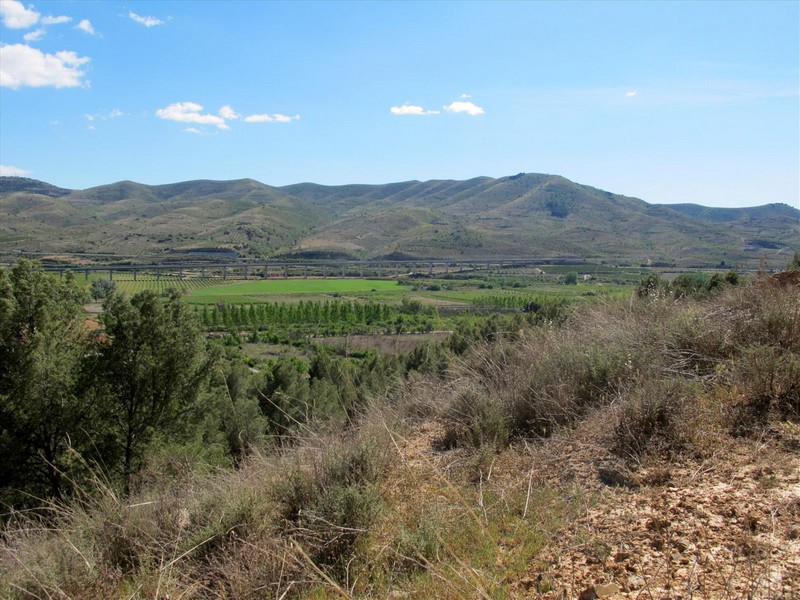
x=101, y=288
x=149, y=372
x=571, y=278
x=795, y=264
x=42, y=410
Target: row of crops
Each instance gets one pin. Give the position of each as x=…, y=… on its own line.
x=165, y=285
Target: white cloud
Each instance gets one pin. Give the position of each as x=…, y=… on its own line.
x=50, y=20
x=464, y=107
x=86, y=26
x=631, y=93
x=465, y=96
x=146, y=21
x=411, y=109
x=35, y=35
x=190, y=112
x=16, y=16
x=193, y=130
x=227, y=112
x=274, y=118
x=21, y=65
x=9, y=171
x=105, y=116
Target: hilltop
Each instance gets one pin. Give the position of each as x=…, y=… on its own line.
x=522, y=215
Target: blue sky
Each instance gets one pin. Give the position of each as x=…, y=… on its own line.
x=666, y=101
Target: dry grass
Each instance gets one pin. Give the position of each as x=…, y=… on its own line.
x=509, y=477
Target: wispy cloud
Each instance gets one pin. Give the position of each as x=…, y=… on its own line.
x=146, y=21
x=9, y=171
x=467, y=107
x=15, y=16
x=35, y=35
x=50, y=20
x=107, y=115
x=411, y=109
x=23, y=66
x=194, y=130
x=86, y=26
x=273, y=118
x=631, y=93
x=190, y=112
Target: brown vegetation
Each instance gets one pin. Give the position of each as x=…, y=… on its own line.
x=647, y=448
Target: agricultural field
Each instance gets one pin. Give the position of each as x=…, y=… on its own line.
x=248, y=292
x=165, y=285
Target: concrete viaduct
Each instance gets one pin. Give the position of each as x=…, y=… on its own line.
x=305, y=269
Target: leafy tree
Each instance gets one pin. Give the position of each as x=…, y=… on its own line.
x=101, y=288
x=149, y=372
x=571, y=278
x=42, y=344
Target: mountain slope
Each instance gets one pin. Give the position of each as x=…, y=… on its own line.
x=523, y=215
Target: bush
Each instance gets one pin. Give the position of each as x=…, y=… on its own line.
x=475, y=419
x=328, y=507
x=655, y=419
x=768, y=381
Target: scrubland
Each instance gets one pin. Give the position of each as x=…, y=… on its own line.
x=646, y=447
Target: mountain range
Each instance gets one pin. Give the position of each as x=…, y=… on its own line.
x=524, y=215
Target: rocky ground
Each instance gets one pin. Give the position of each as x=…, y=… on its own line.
x=724, y=527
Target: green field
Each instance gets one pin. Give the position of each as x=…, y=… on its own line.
x=253, y=291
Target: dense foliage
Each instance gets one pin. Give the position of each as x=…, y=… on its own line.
x=149, y=392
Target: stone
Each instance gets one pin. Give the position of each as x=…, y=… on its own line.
x=636, y=582
x=606, y=590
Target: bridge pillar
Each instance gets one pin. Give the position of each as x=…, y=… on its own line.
x=224, y=273
x=180, y=273
x=446, y=268
x=111, y=274
x=361, y=270
x=379, y=269
x=244, y=269
x=134, y=274
x=286, y=271
x=202, y=272
x=430, y=269
x=305, y=271
x=266, y=271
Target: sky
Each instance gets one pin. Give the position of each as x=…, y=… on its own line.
x=665, y=101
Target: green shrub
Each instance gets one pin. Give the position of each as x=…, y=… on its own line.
x=655, y=419
x=329, y=507
x=477, y=420
x=768, y=381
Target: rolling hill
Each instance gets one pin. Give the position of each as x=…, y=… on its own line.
x=522, y=215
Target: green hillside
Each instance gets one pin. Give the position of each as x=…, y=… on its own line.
x=522, y=215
